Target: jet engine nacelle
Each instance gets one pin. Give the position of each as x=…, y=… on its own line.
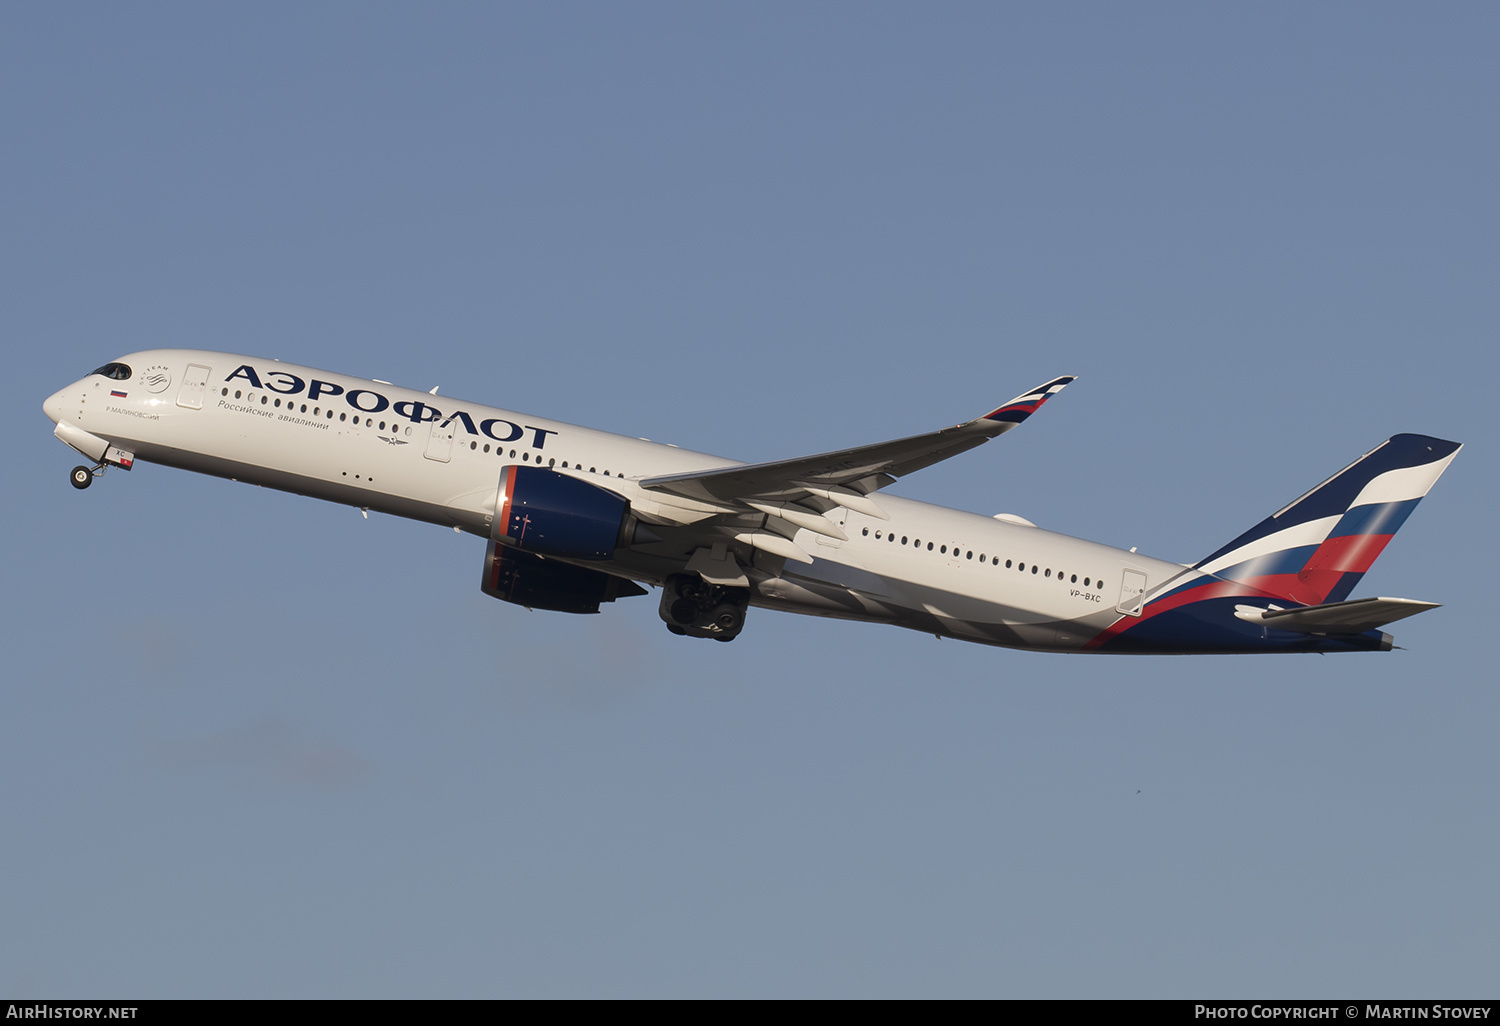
x=539, y=510
x=539, y=583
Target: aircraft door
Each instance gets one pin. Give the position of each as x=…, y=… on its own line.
x=190, y=396
x=1132, y=592
x=440, y=441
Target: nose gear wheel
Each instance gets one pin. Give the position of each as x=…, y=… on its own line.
x=82, y=477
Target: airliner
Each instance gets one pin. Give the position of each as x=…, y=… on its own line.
x=575, y=518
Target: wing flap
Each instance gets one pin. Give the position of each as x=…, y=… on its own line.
x=784, y=496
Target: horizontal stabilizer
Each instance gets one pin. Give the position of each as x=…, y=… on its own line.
x=1344, y=617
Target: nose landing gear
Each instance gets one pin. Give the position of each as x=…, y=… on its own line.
x=114, y=456
x=694, y=608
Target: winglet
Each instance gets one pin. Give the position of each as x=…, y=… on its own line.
x=1023, y=406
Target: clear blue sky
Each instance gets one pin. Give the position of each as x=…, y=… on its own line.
x=258, y=746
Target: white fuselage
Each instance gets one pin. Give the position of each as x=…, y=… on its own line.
x=378, y=446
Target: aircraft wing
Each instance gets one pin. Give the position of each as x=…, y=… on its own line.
x=847, y=476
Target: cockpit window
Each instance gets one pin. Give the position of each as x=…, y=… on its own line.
x=115, y=371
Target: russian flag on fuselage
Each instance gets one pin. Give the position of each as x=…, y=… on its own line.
x=1316, y=549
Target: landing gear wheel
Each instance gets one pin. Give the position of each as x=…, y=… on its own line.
x=696, y=608
x=81, y=477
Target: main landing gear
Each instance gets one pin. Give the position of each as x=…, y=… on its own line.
x=82, y=477
x=694, y=608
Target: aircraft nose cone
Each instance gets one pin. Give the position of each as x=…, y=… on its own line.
x=53, y=407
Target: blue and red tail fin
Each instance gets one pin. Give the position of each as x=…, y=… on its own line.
x=1316, y=549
